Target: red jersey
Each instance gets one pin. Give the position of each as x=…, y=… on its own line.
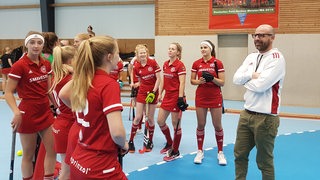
x=32, y=87
x=102, y=99
x=171, y=75
x=95, y=155
x=32, y=78
x=115, y=73
x=146, y=74
x=63, y=110
x=64, y=119
x=208, y=95
x=134, y=62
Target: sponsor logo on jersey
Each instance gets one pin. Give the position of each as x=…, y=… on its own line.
x=147, y=76
x=167, y=75
x=76, y=164
x=38, y=78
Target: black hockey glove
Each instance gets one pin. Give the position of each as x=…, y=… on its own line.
x=209, y=77
x=182, y=104
x=134, y=92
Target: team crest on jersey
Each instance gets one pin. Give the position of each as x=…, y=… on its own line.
x=173, y=69
x=212, y=65
x=43, y=69
x=150, y=69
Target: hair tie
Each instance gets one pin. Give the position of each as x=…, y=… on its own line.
x=31, y=37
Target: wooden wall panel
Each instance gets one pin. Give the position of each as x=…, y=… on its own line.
x=185, y=17
x=12, y=43
x=129, y=45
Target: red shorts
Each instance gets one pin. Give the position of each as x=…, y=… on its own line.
x=36, y=116
x=141, y=98
x=72, y=141
x=206, y=100
x=86, y=164
x=170, y=101
x=60, y=130
x=6, y=70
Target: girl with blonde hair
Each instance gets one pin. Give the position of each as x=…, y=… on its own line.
x=94, y=96
x=61, y=66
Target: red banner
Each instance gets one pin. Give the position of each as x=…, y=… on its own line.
x=239, y=14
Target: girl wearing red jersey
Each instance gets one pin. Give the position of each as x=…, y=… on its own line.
x=173, y=83
x=61, y=67
x=208, y=96
x=75, y=128
x=31, y=77
x=148, y=72
x=95, y=98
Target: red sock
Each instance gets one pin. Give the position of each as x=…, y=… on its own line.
x=48, y=177
x=166, y=131
x=200, y=138
x=140, y=123
x=219, y=139
x=151, y=131
x=39, y=166
x=176, y=140
x=133, y=131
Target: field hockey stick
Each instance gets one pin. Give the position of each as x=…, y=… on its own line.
x=177, y=126
x=146, y=132
x=130, y=110
x=36, y=151
x=133, y=111
x=120, y=157
x=13, y=149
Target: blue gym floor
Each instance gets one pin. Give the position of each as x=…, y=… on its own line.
x=296, y=150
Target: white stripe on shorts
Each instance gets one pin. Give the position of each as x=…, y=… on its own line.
x=108, y=170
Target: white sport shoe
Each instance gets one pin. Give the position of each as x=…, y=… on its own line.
x=199, y=157
x=222, y=160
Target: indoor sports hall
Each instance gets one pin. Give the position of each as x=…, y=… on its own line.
x=230, y=25
x=296, y=149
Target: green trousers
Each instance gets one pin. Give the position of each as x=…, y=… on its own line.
x=258, y=130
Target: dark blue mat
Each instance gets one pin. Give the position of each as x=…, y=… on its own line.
x=297, y=156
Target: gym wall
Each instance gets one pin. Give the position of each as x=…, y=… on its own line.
x=297, y=37
x=186, y=22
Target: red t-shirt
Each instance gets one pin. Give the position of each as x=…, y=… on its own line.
x=135, y=78
x=32, y=87
x=146, y=74
x=102, y=99
x=63, y=110
x=171, y=74
x=33, y=78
